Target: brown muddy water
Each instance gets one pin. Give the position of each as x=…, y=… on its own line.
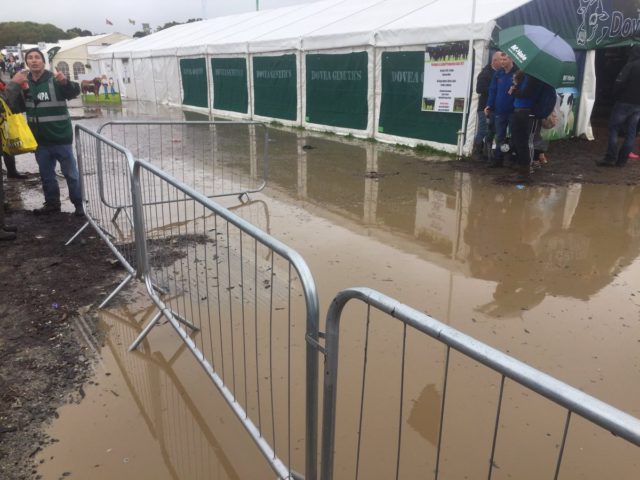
x=549, y=275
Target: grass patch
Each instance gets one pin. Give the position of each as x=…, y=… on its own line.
x=102, y=99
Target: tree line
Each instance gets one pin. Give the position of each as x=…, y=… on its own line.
x=13, y=33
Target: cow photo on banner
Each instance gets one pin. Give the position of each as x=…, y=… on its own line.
x=565, y=113
x=101, y=88
x=446, y=76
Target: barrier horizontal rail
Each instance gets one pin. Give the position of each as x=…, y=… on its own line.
x=252, y=301
x=574, y=401
x=217, y=158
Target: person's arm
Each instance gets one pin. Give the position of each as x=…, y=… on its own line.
x=484, y=79
x=68, y=89
x=13, y=93
x=621, y=80
x=493, y=88
x=530, y=89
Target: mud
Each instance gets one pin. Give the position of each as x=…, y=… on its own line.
x=45, y=288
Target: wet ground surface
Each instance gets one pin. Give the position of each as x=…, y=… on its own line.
x=48, y=292
x=548, y=273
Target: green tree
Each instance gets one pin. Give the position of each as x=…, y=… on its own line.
x=13, y=33
x=78, y=32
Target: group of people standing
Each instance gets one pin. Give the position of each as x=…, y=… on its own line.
x=43, y=95
x=509, y=120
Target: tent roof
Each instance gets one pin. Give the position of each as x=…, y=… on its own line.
x=324, y=25
x=79, y=41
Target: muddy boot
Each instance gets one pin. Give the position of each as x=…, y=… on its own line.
x=12, y=172
x=524, y=174
x=47, y=208
x=477, y=153
x=4, y=235
x=79, y=211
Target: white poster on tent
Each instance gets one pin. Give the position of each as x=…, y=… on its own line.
x=446, y=77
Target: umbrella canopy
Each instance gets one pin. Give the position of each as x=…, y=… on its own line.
x=540, y=53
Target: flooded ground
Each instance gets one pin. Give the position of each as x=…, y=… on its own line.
x=547, y=274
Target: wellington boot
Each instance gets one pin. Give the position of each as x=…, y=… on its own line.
x=12, y=172
x=524, y=173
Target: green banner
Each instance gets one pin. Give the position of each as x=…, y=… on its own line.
x=274, y=86
x=337, y=87
x=585, y=24
x=230, y=91
x=194, y=82
x=401, y=104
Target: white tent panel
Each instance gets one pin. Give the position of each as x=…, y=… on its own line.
x=290, y=36
x=237, y=41
x=143, y=78
x=442, y=21
x=166, y=77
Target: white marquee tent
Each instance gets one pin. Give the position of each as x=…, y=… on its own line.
x=153, y=68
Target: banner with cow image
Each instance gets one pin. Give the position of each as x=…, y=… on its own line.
x=585, y=24
x=99, y=88
x=446, y=77
x=565, y=111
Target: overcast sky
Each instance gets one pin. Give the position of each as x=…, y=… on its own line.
x=93, y=15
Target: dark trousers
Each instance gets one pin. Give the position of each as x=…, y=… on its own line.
x=624, y=118
x=523, y=126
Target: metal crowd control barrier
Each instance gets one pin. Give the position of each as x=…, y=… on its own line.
x=217, y=158
x=105, y=169
x=251, y=299
x=564, y=398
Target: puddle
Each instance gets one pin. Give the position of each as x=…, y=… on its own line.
x=148, y=414
x=546, y=274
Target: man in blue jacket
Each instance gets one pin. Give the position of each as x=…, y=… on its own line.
x=500, y=105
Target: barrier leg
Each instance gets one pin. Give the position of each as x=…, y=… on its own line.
x=76, y=234
x=145, y=331
x=116, y=291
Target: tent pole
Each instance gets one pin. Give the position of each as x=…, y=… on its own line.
x=462, y=133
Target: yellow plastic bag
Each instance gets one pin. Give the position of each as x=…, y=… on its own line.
x=16, y=134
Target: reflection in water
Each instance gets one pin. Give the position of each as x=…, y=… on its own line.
x=424, y=416
x=188, y=446
x=532, y=242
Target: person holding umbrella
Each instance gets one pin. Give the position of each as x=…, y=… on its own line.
x=543, y=58
x=526, y=90
x=626, y=112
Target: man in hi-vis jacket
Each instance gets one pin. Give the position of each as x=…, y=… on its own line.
x=50, y=123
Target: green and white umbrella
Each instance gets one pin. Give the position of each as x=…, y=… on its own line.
x=540, y=53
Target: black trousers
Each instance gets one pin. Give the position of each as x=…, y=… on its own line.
x=523, y=127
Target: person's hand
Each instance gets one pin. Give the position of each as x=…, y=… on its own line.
x=20, y=77
x=512, y=89
x=59, y=76
x=487, y=111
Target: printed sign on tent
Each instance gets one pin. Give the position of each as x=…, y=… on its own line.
x=446, y=77
x=101, y=88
